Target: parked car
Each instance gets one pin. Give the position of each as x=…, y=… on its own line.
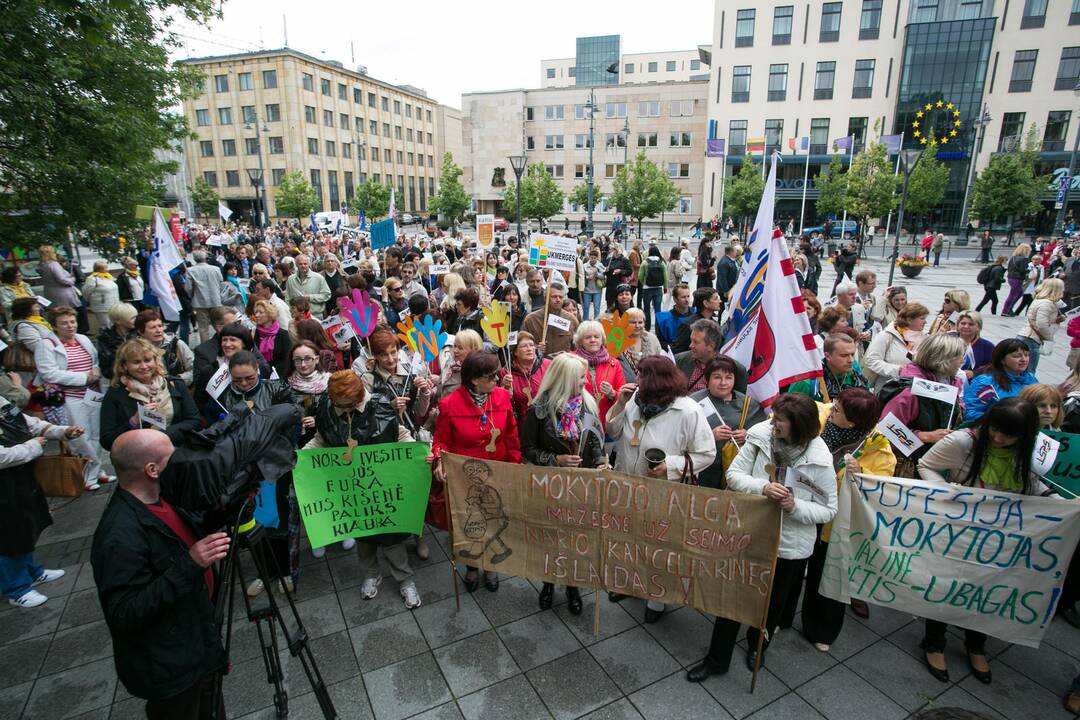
x=850, y=228
x=501, y=224
x=405, y=218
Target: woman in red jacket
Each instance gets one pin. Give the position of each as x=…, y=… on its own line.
x=605, y=374
x=476, y=420
x=527, y=372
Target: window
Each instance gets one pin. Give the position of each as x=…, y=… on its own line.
x=397, y=132
x=969, y=10
x=774, y=132
x=530, y=143
x=358, y=123
x=551, y=73
x=210, y=177
x=277, y=145
x=830, y=22
x=744, y=28
x=308, y=81
x=328, y=118
x=224, y=116
x=357, y=96
x=1034, y=14
x=740, y=84
x=781, y=24
x=1074, y=14
x=232, y=178
x=529, y=113
x=251, y=146
x=397, y=107
x=614, y=140
x=581, y=141
x=652, y=67
x=324, y=86
x=778, y=82
x=228, y=148
x=247, y=112
x=331, y=149
x=611, y=171
x=671, y=64
x=269, y=79
x=387, y=155
x=678, y=170
x=695, y=65
x=553, y=112
x=331, y=180
x=555, y=171
x=863, y=86
x=824, y=79
x=374, y=155
x=1023, y=70
x=206, y=148
x=553, y=142
x=924, y=11
x=430, y=161
x=682, y=108
x=1012, y=127
x=646, y=139
x=819, y=136
x=316, y=183
x=244, y=79
x=856, y=128
x=679, y=139
x=221, y=83
x=429, y=139
x=615, y=110
x=384, y=103
x=342, y=92
x=202, y=117
x=371, y=99
x=346, y=150
x=650, y=108
x=313, y=146
x=628, y=69
x=870, y=20
x=1068, y=69
x=386, y=129
x=348, y=185
x=408, y=132
x=685, y=205
x=408, y=110
x=579, y=171
x=276, y=176
x=273, y=112
x=343, y=121
x=373, y=127
x=1057, y=124
x=309, y=114
x=411, y=158
x=428, y=114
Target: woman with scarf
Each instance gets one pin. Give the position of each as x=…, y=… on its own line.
x=554, y=434
x=510, y=294
x=130, y=283
x=604, y=377
x=640, y=343
x=893, y=348
x=527, y=370
x=139, y=380
x=233, y=293
x=100, y=292
x=331, y=357
x=476, y=420
x=955, y=301
x=656, y=418
x=788, y=442
x=732, y=413
x=452, y=359
x=28, y=327
x=272, y=340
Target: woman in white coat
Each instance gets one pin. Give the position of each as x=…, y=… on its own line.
x=788, y=442
x=894, y=347
x=656, y=415
x=101, y=292
x=69, y=359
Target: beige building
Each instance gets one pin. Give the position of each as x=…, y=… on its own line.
x=636, y=68
x=338, y=126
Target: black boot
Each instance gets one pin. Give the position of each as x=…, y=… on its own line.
x=573, y=600
x=702, y=671
x=547, y=593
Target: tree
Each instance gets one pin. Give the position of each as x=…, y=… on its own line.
x=871, y=185
x=373, y=199
x=641, y=190
x=295, y=198
x=743, y=193
x=580, y=195
x=451, y=199
x=540, y=195
x=85, y=102
x=831, y=184
x=926, y=185
x=204, y=197
x=1007, y=187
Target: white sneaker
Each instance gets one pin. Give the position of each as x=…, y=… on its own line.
x=255, y=587
x=32, y=598
x=822, y=647
x=318, y=552
x=285, y=584
x=91, y=486
x=49, y=576
x=106, y=479
x=412, y=598
x=371, y=587
x=348, y=544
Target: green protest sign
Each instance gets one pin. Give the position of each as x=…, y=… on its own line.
x=382, y=489
x=1064, y=474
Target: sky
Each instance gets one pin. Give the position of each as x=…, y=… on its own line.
x=447, y=48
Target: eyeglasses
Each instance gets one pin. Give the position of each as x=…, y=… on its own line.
x=303, y=360
x=491, y=375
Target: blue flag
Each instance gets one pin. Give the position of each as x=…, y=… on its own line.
x=314, y=227
x=892, y=142
x=363, y=220
x=382, y=234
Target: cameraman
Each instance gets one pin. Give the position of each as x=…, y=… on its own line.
x=156, y=585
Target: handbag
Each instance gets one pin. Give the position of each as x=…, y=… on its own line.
x=61, y=475
x=18, y=358
x=689, y=477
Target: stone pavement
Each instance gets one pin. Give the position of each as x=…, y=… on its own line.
x=501, y=657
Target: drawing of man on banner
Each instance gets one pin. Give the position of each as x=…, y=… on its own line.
x=487, y=519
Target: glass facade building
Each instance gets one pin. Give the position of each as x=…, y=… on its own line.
x=594, y=56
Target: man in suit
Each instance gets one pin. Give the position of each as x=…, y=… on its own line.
x=205, y=292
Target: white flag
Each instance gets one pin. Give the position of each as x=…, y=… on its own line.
x=164, y=245
x=223, y=210
x=900, y=435
x=747, y=293
x=162, y=287
x=393, y=212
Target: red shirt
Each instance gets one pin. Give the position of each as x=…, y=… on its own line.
x=610, y=372
x=164, y=512
x=520, y=398
x=465, y=429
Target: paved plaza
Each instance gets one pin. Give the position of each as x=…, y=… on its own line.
x=501, y=657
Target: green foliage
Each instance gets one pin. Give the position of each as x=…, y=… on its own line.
x=642, y=190
x=1007, y=187
x=831, y=184
x=926, y=185
x=86, y=91
x=871, y=184
x=580, y=195
x=373, y=199
x=743, y=193
x=204, y=197
x=540, y=195
x=295, y=198
x=451, y=199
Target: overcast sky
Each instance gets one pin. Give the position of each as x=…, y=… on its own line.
x=448, y=48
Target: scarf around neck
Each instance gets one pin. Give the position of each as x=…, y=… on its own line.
x=235, y=282
x=157, y=392
x=313, y=384
x=594, y=358
x=19, y=290
x=568, y=426
x=38, y=320
x=266, y=337
x=479, y=399
x=650, y=410
x=836, y=437
x=784, y=453
x=103, y=276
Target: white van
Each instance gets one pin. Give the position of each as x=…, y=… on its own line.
x=328, y=220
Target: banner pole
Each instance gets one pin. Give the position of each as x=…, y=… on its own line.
x=762, y=629
x=450, y=541
x=547, y=305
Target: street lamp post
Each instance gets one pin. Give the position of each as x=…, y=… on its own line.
x=980, y=124
x=259, y=181
x=1059, y=223
x=256, y=177
x=517, y=162
x=908, y=158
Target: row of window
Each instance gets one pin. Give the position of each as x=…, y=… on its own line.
x=1034, y=15
x=824, y=81
x=685, y=206
x=612, y=140
x=232, y=179
x=1023, y=69
x=820, y=138
x=277, y=147
x=648, y=108
x=828, y=26
x=631, y=68
x=674, y=170
x=273, y=114
x=1054, y=133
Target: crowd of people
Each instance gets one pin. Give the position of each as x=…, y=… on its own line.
x=97, y=364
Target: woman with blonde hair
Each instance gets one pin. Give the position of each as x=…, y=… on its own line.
x=955, y=301
x=969, y=327
x=451, y=359
x=894, y=347
x=1016, y=272
x=640, y=343
x=130, y=283
x=272, y=341
x=1047, y=400
x=1035, y=276
x=442, y=297
x=1043, y=318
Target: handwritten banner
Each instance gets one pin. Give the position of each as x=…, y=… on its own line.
x=668, y=542
x=380, y=489
x=979, y=559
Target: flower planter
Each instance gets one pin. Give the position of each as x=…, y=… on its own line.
x=910, y=271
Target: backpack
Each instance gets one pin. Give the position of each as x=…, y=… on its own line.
x=984, y=275
x=654, y=276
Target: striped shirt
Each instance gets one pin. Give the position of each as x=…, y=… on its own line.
x=78, y=361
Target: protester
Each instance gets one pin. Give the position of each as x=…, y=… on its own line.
x=130, y=283
x=527, y=370
x=120, y=329
x=887, y=307
x=617, y=274
x=540, y=324
x=12, y=287
x=272, y=340
x=652, y=278
x=1016, y=273
x=1031, y=283
x=57, y=284
x=969, y=328
x=308, y=285
x=991, y=277
x=1005, y=376
x=100, y=292
x=451, y=360
x=893, y=348
x=1043, y=319
x=205, y=291
x=604, y=376
x=668, y=322
x=638, y=344
x=955, y=302
x=1047, y=400
x=706, y=304
x=838, y=368
x=732, y=413
x=178, y=358
x=594, y=273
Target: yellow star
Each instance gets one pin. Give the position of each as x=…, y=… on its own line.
x=940, y=103
x=944, y=140
x=949, y=106
x=922, y=141
x=929, y=106
x=915, y=124
x=957, y=123
x=917, y=133
x=952, y=133
x=918, y=114
x=956, y=113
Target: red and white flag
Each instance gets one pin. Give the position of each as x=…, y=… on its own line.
x=777, y=346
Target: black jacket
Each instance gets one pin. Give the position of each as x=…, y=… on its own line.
x=206, y=364
x=1018, y=267
x=24, y=512
x=682, y=340
x=727, y=274
x=155, y=601
x=117, y=409
x=540, y=443
x=279, y=360
x=262, y=396
x=996, y=279
x=108, y=342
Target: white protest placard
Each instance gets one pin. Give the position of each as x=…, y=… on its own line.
x=151, y=417
x=485, y=230
x=343, y=333
x=553, y=251
x=976, y=558
x=442, y=269
x=221, y=380
x=3, y=346
x=1045, y=455
x=706, y=404
x=42, y=301
x=511, y=339
x=804, y=487
x=955, y=317
x=921, y=387
x=274, y=374
x=557, y=321
x=900, y=435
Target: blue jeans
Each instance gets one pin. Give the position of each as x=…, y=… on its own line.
x=653, y=296
x=1033, y=347
x=17, y=574
x=591, y=307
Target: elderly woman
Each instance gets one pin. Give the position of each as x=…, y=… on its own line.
x=70, y=361
x=956, y=301
x=58, y=285
x=1007, y=374
x=272, y=340
x=553, y=434
x=969, y=327
x=452, y=359
x=28, y=327
x=888, y=306
x=605, y=375
x=130, y=283
x=729, y=412
x=140, y=381
x=120, y=329
x=231, y=339
x=659, y=432
x=527, y=369
x=349, y=413
x=1043, y=318
x=100, y=292
x=892, y=348
x=12, y=287
x=640, y=343
x=475, y=417
x=178, y=358
x=788, y=442
x=467, y=314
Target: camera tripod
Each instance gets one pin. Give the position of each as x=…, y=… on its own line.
x=267, y=616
